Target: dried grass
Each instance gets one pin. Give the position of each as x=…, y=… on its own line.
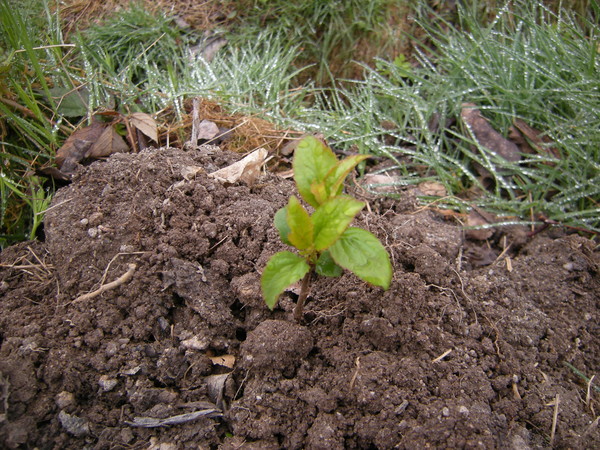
x=248, y=132
x=199, y=15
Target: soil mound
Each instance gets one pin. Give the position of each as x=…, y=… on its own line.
x=452, y=355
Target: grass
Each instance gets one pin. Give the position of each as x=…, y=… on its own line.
x=30, y=128
x=523, y=61
x=528, y=63
x=327, y=32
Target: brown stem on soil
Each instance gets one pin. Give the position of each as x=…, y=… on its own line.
x=303, y=294
x=105, y=287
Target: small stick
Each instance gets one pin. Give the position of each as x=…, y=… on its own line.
x=554, y=419
x=442, y=356
x=105, y=287
x=516, y=391
x=589, y=391
x=353, y=380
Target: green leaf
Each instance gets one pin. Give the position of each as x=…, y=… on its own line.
x=332, y=218
x=301, y=227
x=282, y=225
x=326, y=266
x=71, y=102
x=361, y=253
x=334, y=182
x=282, y=270
x=312, y=161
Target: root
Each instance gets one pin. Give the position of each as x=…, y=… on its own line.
x=105, y=287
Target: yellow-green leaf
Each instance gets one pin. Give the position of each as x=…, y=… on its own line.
x=282, y=225
x=301, y=227
x=332, y=218
x=334, y=182
x=326, y=266
x=312, y=161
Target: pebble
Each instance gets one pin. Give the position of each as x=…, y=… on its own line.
x=74, y=425
x=107, y=384
x=64, y=399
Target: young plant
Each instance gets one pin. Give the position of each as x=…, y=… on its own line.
x=324, y=240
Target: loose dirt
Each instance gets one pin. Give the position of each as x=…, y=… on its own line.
x=455, y=354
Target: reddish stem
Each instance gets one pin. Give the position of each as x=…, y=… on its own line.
x=303, y=294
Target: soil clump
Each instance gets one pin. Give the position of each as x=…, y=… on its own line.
x=455, y=354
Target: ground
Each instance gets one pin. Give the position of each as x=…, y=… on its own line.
x=463, y=350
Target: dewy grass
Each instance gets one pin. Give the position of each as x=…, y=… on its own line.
x=528, y=63
x=252, y=77
x=31, y=127
x=326, y=30
x=133, y=36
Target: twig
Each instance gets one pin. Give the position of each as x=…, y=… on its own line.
x=151, y=422
x=589, y=391
x=105, y=287
x=442, y=356
x=353, y=380
x=554, y=419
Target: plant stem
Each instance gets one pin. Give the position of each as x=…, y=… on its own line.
x=303, y=294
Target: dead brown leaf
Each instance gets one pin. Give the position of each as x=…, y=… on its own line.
x=146, y=124
x=108, y=143
x=486, y=135
x=223, y=360
x=532, y=140
x=433, y=188
x=76, y=146
x=246, y=170
x=207, y=130
x=478, y=217
x=380, y=182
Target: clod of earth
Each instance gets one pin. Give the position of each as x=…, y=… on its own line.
x=452, y=355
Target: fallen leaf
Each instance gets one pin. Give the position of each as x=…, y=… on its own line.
x=223, y=360
x=76, y=148
x=189, y=172
x=433, y=188
x=246, y=170
x=216, y=389
x=532, y=140
x=54, y=173
x=477, y=218
x=485, y=134
x=211, y=47
x=290, y=147
x=108, y=143
x=380, y=182
x=207, y=130
x=208, y=48
x=146, y=124
x=481, y=256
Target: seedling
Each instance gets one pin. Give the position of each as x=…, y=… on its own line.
x=325, y=242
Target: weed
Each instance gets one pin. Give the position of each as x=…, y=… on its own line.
x=324, y=239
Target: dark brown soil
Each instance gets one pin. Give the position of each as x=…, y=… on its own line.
x=455, y=354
